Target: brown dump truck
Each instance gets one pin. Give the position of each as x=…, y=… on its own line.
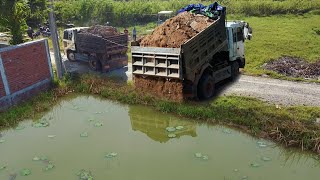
x=188, y=54
x=103, y=47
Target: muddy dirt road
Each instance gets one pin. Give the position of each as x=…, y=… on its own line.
x=267, y=89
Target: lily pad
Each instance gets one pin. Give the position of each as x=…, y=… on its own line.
x=98, y=124
x=20, y=127
x=51, y=136
x=25, y=172
x=84, y=134
x=266, y=159
x=255, y=165
x=179, y=127
x=36, y=158
x=226, y=131
x=198, y=155
x=90, y=119
x=43, y=158
x=172, y=135
x=111, y=155
x=205, y=157
x=2, y=140
x=41, y=123
x=171, y=129
x=85, y=175
x=49, y=167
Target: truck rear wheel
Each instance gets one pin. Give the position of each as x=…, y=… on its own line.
x=71, y=56
x=95, y=64
x=206, y=87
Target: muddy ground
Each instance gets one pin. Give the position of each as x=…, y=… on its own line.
x=176, y=31
x=294, y=67
x=160, y=87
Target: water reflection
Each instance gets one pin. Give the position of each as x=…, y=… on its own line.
x=154, y=125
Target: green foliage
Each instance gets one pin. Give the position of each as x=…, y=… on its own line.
x=134, y=12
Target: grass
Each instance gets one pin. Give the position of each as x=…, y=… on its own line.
x=291, y=126
x=276, y=36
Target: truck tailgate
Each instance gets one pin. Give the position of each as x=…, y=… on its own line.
x=158, y=62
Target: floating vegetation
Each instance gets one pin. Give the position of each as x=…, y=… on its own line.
x=91, y=119
x=41, y=123
x=111, y=155
x=172, y=135
x=20, y=127
x=244, y=177
x=49, y=167
x=44, y=158
x=198, y=155
x=226, y=131
x=25, y=172
x=255, y=165
x=171, y=129
x=2, y=140
x=98, y=124
x=98, y=112
x=179, y=127
x=262, y=144
x=84, y=134
x=85, y=175
x=205, y=157
x=36, y=158
x=51, y=136
x=3, y=167
x=236, y=170
x=266, y=159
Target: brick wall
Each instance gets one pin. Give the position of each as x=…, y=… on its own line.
x=27, y=68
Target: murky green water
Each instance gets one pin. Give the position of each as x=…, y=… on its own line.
x=142, y=148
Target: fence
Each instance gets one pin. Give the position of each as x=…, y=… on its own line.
x=25, y=70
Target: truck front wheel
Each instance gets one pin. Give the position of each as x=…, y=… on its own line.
x=71, y=55
x=95, y=64
x=206, y=87
x=234, y=70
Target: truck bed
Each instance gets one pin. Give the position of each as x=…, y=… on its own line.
x=184, y=62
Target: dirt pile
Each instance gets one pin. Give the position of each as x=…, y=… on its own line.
x=176, y=31
x=104, y=31
x=295, y=67
x=160, y=87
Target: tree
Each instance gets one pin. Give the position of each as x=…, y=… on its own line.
x=15, y=13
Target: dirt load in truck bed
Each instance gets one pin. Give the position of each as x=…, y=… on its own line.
x=104, y=31
x=176, y=31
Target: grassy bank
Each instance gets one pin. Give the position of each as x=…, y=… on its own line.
x=292, y=126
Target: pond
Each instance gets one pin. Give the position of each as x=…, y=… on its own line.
x=89, y=138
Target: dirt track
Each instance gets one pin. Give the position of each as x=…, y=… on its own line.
x=276, y=91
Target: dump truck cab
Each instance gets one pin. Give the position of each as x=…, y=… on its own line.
x=237, y=32
x=69, y=38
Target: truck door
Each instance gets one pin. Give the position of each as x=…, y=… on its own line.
x=239, y=42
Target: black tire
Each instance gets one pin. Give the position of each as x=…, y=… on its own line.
x=95, y=64
x=206, y=87
x=235, y=71
x=71, y=56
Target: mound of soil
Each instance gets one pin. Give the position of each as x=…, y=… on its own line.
x=160, y=87
x=104, y=31
x=295, y=67
x=176, y=31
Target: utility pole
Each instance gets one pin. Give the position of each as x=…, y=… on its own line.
x=55, y=41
